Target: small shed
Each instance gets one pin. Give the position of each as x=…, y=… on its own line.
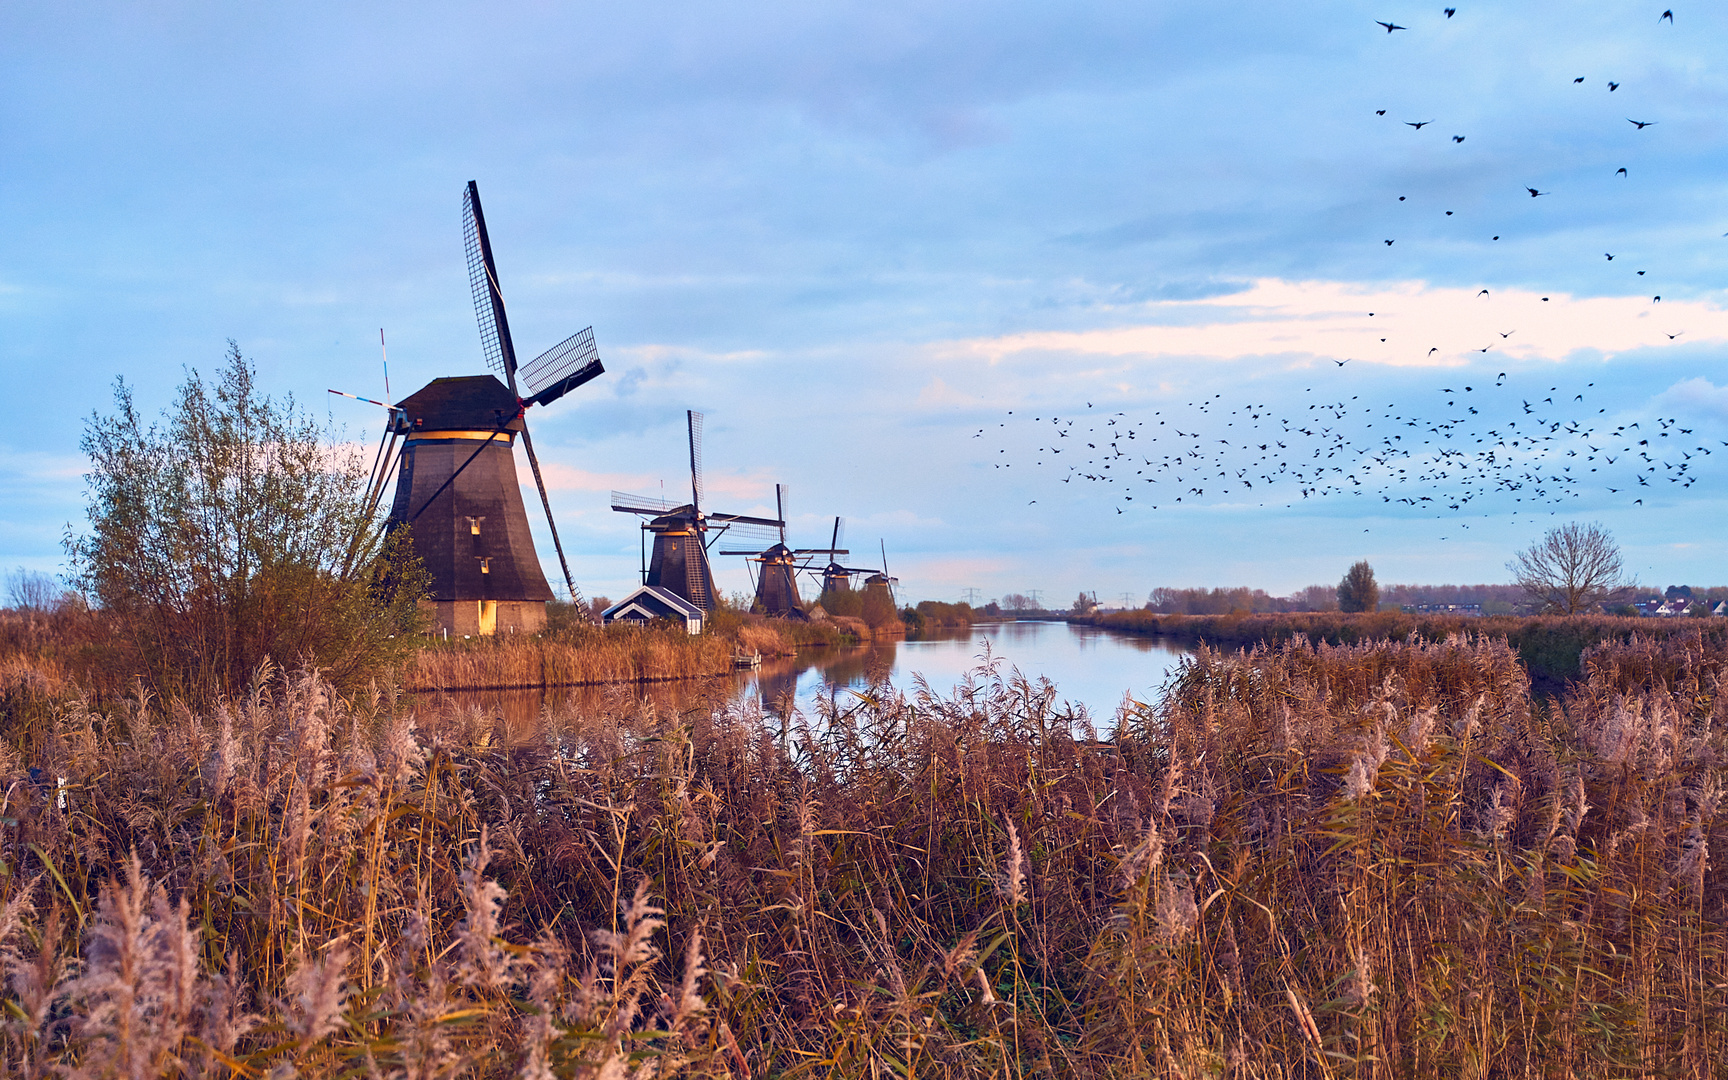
x=652, y=602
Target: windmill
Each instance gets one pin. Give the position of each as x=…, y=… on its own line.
x=837, y=578
x=777, y=584
x=680, y=559
x=457, y=484
x=882, y=580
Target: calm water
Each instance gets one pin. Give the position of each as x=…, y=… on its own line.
x=1090, y=667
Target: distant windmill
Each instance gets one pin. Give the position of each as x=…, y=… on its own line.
x=457, y=486
x=883, y=580
x=680, y=558
x=777, y=584
x=837, y=578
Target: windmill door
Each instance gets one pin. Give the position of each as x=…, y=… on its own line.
x=488, y=617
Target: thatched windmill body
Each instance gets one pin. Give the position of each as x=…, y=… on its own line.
x=679, y=562
x=837, y=578
x=457, y=488
x=777, y=581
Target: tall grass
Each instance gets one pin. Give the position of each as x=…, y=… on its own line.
x=583, y=655
x=1549, y=645
x=1373, y=860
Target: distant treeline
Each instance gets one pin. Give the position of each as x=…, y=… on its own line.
x=1493, y=599
x=1324, y=598
x=1550, y=646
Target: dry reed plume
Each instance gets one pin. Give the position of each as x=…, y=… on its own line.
x=1377, y=860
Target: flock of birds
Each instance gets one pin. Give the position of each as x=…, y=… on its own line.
x=1476, y=444
x=1489, y=447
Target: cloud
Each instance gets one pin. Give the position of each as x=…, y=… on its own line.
x=1411, y=324
x=1697, y=396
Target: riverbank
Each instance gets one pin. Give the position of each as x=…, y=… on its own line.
x=1550, y=646
x=581, y=654
x=1355, y=860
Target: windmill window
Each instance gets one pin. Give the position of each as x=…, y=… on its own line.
x=485, y=566
x=474, y=525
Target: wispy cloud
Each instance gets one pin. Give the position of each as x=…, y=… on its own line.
x=1411, y=324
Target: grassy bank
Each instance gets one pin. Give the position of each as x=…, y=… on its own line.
x=1550, y=646
x=585, y=655
x=73, y=648
x=1373, y=860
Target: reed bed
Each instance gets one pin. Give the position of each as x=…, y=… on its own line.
x=1374, y=860
x=576, y=657
x=1549, y=645
x=583, y=655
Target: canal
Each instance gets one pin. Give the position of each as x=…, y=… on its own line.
x=1092, y=669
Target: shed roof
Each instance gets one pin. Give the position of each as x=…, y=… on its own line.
x=655, y=602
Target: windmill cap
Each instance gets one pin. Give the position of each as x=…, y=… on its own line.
x=460, y=403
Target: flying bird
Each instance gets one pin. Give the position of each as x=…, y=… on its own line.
x=1484, y=292
x=1451, y=11
x=1621, y=171
x=1640, y=124
x=1533, y=192
x=1418, y=125
x=1434, y=350
x=1671, y=337
x=1579, y=79
x=1341, y=363
x=1379, y=112
x=1669, y=15
x=1613, y=86
x=1456, y=138
x=1610, y=257
x=1391, y=26
x=1388, y=243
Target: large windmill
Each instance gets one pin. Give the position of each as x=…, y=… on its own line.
x=457, y=487
x=680, y=559
x=777, y=583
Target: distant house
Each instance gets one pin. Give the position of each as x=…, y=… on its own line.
x=1720, y=609
x=650, y=602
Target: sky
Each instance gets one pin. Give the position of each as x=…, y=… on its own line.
x=859, y=236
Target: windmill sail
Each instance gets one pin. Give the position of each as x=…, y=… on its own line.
x=488, y=298
x=562, y=368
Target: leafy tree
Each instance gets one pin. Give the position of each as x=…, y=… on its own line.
x=1571, y=569
x=1358, y=591
x=235, y=532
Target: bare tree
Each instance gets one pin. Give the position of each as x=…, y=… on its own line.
x=1358, y=591
x=32, y=590
x=1571, y=569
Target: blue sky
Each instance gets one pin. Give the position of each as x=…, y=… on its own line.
x=856, y=234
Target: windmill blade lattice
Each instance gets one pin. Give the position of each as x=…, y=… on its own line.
x=483, y=280
x=563, y=368
x=641, y=504
x=693, y=420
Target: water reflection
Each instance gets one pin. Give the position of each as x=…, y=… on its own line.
x=1091, y=668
